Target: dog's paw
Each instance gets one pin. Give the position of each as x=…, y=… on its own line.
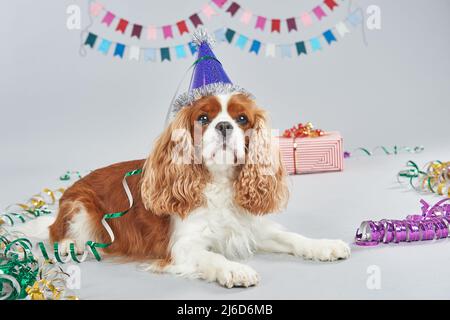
x=64, y=247
x=326, y=250
x=237, y=275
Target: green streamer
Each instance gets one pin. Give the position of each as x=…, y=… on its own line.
x=92, y=245
x=18, y=268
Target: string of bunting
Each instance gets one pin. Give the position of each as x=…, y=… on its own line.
x=150, y=32
x=305, y=19
x=434, y=177
x=137, y=53
x=302, y=47
x=227, y=35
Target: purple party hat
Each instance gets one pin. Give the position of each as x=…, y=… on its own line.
x=208, y=78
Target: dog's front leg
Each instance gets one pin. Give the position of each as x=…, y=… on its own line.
x=198, y=262
x=272, y=238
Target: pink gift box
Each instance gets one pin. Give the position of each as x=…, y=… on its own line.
x=309, y=155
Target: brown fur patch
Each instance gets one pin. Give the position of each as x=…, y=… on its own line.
x=174, y=175
x=240, y=104
x=139, y=234
x=209, y=106
x=260, y=187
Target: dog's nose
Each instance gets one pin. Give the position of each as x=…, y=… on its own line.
x=223, y=127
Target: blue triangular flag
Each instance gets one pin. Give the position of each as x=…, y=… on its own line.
x=120, y=49
x=241, y=41
x=315, y=44
x=193, y=48
x=104, y=46
x=286, y=51
x=150, y=54
x=220, y=35
x=256, y=45
x=180, y=51
x=355, y=17
x=329, y=36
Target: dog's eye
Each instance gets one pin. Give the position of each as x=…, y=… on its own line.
x=203, y=119
x=242, y=120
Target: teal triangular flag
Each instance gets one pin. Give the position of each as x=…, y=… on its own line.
x=90, y=40
x=229, y=34
x=165, y=54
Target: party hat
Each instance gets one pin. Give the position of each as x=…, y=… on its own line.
x=209, y=77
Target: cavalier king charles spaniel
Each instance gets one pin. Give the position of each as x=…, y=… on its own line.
x=200, y=202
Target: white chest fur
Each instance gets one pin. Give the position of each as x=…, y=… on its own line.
x=219, y=226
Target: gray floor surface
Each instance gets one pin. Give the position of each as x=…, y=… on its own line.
x=329, y=205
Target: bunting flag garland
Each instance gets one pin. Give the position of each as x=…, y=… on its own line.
x=227, y=35
x=151, y=32
x=136, y=53
x=301, y=47
x=303, y=20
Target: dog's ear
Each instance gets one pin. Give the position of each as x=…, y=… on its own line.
x=173, y=179
x=261, y=187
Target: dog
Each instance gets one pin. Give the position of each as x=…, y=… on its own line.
x=196, y=214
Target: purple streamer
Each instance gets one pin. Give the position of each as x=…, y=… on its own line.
x=432, y=224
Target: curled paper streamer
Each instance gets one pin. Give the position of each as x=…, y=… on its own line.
x=50, y=284
x=432, y=224
x=434, y=177
x=303, y=131
x=38, y=205
x=69, y=175
x=92, y=246
x=385, y=150
x=22, y=276
x=18, y=266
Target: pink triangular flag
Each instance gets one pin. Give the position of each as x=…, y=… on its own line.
x=318, y=11
x=306, y=19
x=151, y=33
x=108, y=18
x=96, y=8
x=208, y=11
x=167, y=31
x=246, y=17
